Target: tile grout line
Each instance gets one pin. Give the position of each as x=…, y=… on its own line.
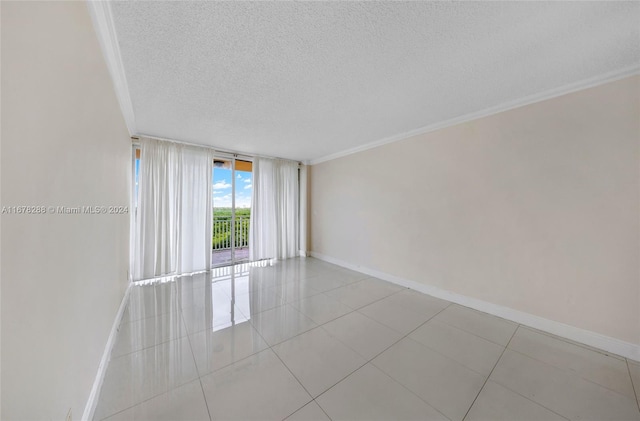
x=320, y=325
x=409, y=311
x=129, y=354
x=526, y=355
x=127, y=408
x=321, y=408
x=313, y=399
x=339, y=381
x=130, y=321
x=370, y=361
x=407, y=337
x=270, y=348
x=448, y=357
x=508, y=388
x=372, y=302
x=148, y=399
x=303, y=406
x=187, y=335
x=299, y=299
x=527, y=398
x=576, y=343
x=491, y=372
x=151, y=346
x=346, y=284
x=633, y=386
x=193, y=355
x=472, y=333
x=325, y=322
x=382, y=324
x=409, y=390
x=530, y=400
x=451, y=359
x=408, y=333
x=298, y=380
x=571, y=373
x=294, y=336
x=157, y=394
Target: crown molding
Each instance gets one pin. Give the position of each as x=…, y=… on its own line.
x=104, y=26
x=530, y=99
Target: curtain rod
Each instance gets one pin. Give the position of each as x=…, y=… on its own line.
x=235, y=153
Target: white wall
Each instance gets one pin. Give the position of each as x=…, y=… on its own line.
x=536, y=209
x=64, y=143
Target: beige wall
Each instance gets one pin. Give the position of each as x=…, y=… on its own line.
x=64, y=143
x=536, y=209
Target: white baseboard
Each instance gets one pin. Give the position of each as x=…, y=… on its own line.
x=90, y=407
x=587, y=337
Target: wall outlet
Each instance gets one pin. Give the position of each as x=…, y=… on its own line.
x=68, y=416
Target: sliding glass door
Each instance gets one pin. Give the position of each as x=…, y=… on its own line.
x=232, y=188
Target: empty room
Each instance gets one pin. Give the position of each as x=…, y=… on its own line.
x=340, y=210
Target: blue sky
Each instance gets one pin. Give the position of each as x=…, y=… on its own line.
x=222, y=188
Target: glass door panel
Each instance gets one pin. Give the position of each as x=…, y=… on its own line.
x=232, y=186
x=242, y=200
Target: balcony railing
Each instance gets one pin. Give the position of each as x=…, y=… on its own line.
x=222, y=232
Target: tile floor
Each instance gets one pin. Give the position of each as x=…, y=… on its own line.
x=306, y=340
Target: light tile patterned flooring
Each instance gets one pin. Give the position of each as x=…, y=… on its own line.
x=306, y=340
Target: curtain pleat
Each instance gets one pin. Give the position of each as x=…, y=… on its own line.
x=274, y=226
x=174, y=215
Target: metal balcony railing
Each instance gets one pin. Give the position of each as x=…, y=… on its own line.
x=222, y=232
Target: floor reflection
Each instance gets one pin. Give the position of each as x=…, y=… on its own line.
x=263, y=340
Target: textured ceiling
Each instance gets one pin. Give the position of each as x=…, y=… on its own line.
x=304, y=80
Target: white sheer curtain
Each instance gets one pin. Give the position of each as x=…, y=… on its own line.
x=274, y=227
x=174, y=217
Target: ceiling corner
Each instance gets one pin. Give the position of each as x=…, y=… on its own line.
x=103, y=24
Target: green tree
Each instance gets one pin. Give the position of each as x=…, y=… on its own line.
x=222, y=228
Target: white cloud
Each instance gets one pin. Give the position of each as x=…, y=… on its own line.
x=240, y=176
x=247, y=180
x=225, y=201
x=248, y=186
x=243, y=202
x=222, y=201
x=221, y=185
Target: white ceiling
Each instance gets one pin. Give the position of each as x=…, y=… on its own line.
x=307, y=80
